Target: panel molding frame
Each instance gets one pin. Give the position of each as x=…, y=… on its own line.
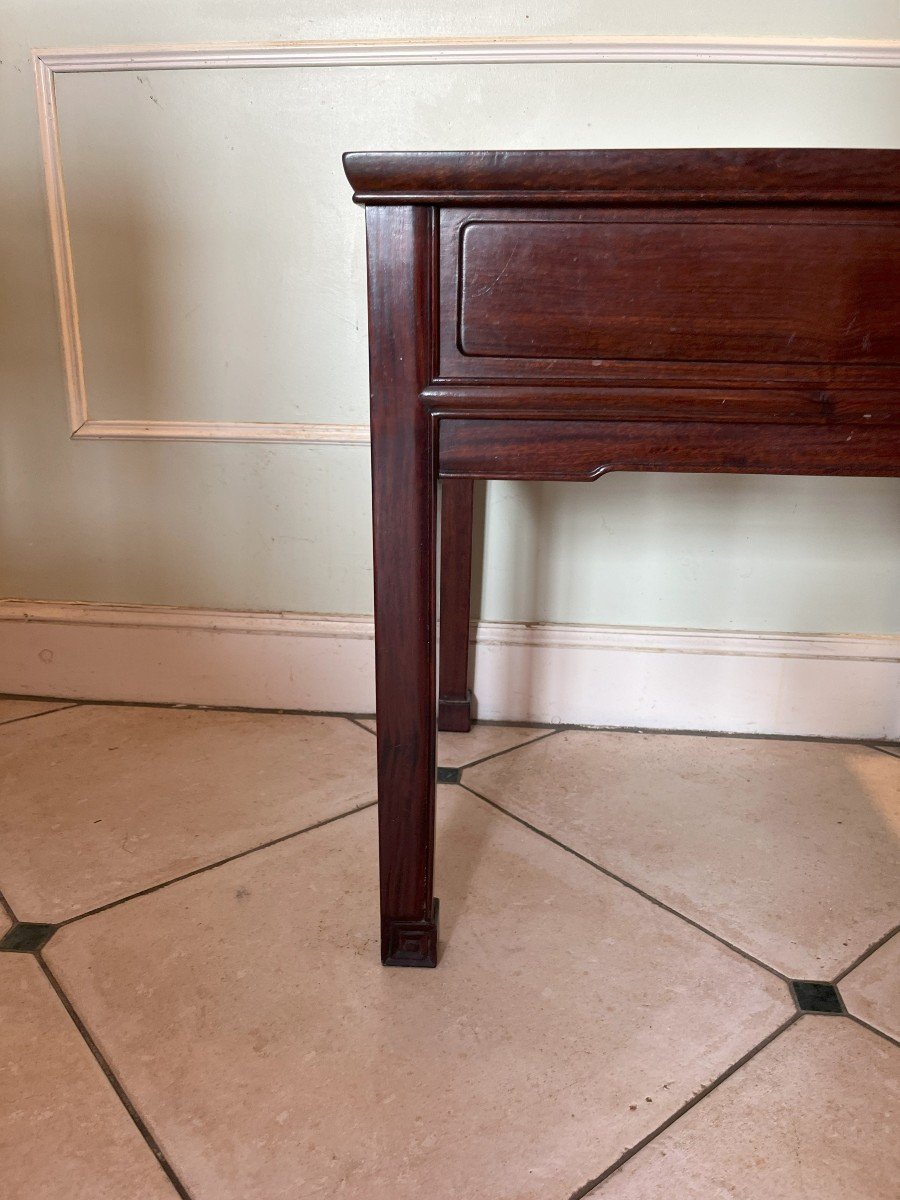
x=381, y=52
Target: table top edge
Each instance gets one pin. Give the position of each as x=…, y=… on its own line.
x=717, y=175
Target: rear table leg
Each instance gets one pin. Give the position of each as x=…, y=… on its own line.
x=455, y=698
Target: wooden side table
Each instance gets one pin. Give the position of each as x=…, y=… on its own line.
x=556, y=315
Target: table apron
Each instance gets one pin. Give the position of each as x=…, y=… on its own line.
x=580, y=450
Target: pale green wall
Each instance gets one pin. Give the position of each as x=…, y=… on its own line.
x=219, y=264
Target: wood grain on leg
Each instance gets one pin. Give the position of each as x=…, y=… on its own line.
x=404, y=495
x=454, y=696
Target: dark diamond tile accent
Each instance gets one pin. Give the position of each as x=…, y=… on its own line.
x=449, y=774
x=26, y=936
x=815, y=997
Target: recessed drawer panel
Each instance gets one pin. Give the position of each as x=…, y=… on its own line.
x=754, y=292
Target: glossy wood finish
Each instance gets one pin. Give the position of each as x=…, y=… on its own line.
x=404, y=511
x=578, y=451
x=454, y=695
x=817, y=291
x=778, y=296
x=555, y=315
x=582, y=177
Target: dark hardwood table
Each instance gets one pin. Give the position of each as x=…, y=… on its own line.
x=559, y=314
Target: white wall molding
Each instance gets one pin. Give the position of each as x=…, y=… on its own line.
x=449, y=51
x=822, y=685
x=225, y=431
x=849, y=52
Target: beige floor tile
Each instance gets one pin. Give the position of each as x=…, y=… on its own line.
x=14, y=710
x=872, y=990
x=100, y=802
x=64, y=1134
x=457, y=749
x=788, y=849
x=274, y=1057
x=814, y=1114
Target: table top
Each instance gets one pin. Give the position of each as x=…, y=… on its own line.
x=574, y=311
x=789, y=175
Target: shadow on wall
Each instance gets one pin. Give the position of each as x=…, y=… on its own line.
x=716, y=551
x=219, y=526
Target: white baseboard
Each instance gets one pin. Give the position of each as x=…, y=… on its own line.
x=819, y=685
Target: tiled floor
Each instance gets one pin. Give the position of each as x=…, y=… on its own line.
x=192, y=1003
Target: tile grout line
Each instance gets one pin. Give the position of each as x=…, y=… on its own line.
x=358, y=722
x=620, y=1162
x=8, y=909
x=183, y=706
x=787, y=979
x=221, y=862
x=872, y=1028
x=745, y=735
x=882, y=750
x=568, y=727
x=631, y=886
x=48, y=712
x=627, y=1155
x=866, y=954
x=541, y=737
x=476, y=762
x=835, y=980
x=113, y=1080
x=357, y=717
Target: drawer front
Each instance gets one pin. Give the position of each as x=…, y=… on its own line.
x=825, y=290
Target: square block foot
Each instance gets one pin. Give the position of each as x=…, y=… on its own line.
x=410, y=943
x=455, y=713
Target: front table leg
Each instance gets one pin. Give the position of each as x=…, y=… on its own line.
x=404, y=492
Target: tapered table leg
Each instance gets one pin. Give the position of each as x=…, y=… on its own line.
x=454, y=696
x=404, y=483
